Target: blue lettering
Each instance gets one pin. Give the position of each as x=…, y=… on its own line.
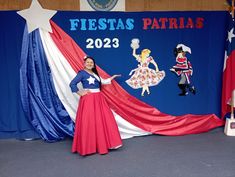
x=92, y=24
x=130, y=23
x=111, y=24
x=73, y=24
x=102, y=24
x=120, y=24
x=83, y=24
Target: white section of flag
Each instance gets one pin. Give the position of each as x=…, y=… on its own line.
x=62, y=74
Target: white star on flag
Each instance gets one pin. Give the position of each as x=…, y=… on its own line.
x=91, y=80
x=37, y=17
x=230, y=35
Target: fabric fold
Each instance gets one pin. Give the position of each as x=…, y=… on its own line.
x=38, y=96
x=131, y=109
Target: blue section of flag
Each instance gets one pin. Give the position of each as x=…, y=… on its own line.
x=13, y=122
x=38, y=95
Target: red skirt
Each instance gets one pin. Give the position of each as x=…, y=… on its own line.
x=96, y=129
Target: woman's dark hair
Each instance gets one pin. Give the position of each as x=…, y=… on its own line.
x=94, y=70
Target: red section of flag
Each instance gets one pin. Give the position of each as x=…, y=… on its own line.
x=228, y=84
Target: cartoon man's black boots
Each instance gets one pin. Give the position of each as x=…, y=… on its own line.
x=192, y=90
x=184, y=88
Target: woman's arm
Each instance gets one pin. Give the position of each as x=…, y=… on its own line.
x=108, y=81
x=135, y=55
x=155, y=64
x=114, y=76
x=83, y=92
x=74, y=88
x=74, y=82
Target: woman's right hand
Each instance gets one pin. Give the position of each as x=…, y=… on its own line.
x=83, y=92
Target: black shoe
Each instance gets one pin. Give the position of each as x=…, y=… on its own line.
x=183, y=94
x=192, y=90
x=183, y=89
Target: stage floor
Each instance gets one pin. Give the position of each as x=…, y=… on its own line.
x=210, y=154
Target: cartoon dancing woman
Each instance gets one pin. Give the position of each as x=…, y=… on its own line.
x=143, y=76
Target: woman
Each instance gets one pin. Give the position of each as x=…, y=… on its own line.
x=96, y=129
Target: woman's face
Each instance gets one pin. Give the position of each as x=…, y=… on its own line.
x=89, y=64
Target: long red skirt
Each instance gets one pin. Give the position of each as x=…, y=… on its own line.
x=96, y=129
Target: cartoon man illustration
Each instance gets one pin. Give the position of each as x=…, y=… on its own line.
x=143, y=76
x=183, y=69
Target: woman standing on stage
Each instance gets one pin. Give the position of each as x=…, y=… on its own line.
x=96, y=129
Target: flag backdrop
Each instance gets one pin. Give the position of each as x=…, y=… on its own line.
x=229, y=70
x=39, y=73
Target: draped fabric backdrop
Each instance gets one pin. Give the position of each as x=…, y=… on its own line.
x=39, y=73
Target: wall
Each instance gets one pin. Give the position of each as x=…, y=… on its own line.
x=131, y=5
